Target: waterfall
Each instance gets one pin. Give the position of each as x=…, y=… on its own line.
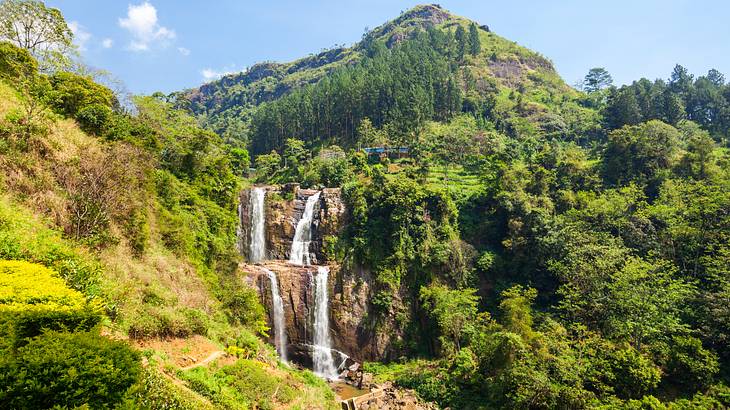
x=303, y=235
x=257, y=250
x=278, y=308
x=324, y=364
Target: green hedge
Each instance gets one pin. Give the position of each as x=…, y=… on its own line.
x=34, y=298
x=68, y=370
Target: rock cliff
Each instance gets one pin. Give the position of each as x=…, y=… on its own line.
x=349, y=287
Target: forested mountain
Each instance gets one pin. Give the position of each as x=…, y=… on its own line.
x=425, y=65
x=528, y=245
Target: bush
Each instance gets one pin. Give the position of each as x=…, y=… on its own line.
x=69, y=370
x=154, y=391
x=22, y=237
x=245, y=384
x=633, y=375
x=94, y=118
x=15, y=61
x=690, y=365
x=165, y=321
x=72, y=92
x=33, y=299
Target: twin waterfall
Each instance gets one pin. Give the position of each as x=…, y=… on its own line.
x=278, y=308
x=324, y=363
x=303, y=235
x=322, y=359
x=257, y=251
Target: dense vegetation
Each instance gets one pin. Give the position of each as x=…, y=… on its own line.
x=539, y=247
x=117, y=221
x=548, y=248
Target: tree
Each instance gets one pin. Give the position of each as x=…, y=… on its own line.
x=622, y=108
x=516, y=308
x=597, y=79
x=267, y=165
x=475, y=46
x=29, y=24
x=640, y=153
x=460, y=37
x=369, y=135
x=294, y=153
x=680, y=81
x=644, y=302
x=453, y=310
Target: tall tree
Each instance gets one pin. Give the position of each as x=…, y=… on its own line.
x=597, y=79
x=460, y=37
x=42, y=30
x=622, y=108
x=475, y=46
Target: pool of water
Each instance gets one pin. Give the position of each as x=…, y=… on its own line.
x=345, y=391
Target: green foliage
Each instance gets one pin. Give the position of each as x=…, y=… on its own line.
x=640, y=153
x=154, y=391
x=94, y=118
x=22, y=237
x=69, y=370
x=15, y=61
x=596, y=80
x=33, y=299
x=72, y=92
x=41, y=30
x=453, y=310
x=164, y=321
x=249, y=384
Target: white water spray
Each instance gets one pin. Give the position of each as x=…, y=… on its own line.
x=303, y=235
x=278, y=310
x=324, y=364
x=257, y=249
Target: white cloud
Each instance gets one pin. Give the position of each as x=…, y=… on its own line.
x=141, y=22
x=107, y=43
x=184, y=51
x=210, y=74
x=81, y=36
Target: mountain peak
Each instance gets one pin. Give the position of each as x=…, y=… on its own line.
x=418, y=17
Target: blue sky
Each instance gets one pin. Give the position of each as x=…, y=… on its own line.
x=168, y=45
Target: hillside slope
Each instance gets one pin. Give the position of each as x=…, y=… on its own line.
x=518, y=82
x=147, y=239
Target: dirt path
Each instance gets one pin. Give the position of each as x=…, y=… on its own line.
x=213, y=356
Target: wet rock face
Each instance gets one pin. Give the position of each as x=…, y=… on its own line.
x=295, y=287
x=349, y=287
x=284, y=206
x=349, y=303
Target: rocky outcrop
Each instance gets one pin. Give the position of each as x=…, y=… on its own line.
x=349, y=287
x=348, y=310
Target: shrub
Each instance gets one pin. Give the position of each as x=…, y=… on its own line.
x=690, y=365
x=15, y=61
x=69, y=370
x=165, y=321
x=94, y=118
x=73, y=92
x=153, y=391
x=33, y=299
x=24, y=238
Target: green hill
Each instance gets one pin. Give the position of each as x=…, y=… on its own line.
x=515, y=88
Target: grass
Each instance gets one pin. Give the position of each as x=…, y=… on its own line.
x=253, y=384
x=454, y=179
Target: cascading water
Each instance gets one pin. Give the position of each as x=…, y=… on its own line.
x=278, y=310
x=303, y=235
x=324, y=363
x=257, y=248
